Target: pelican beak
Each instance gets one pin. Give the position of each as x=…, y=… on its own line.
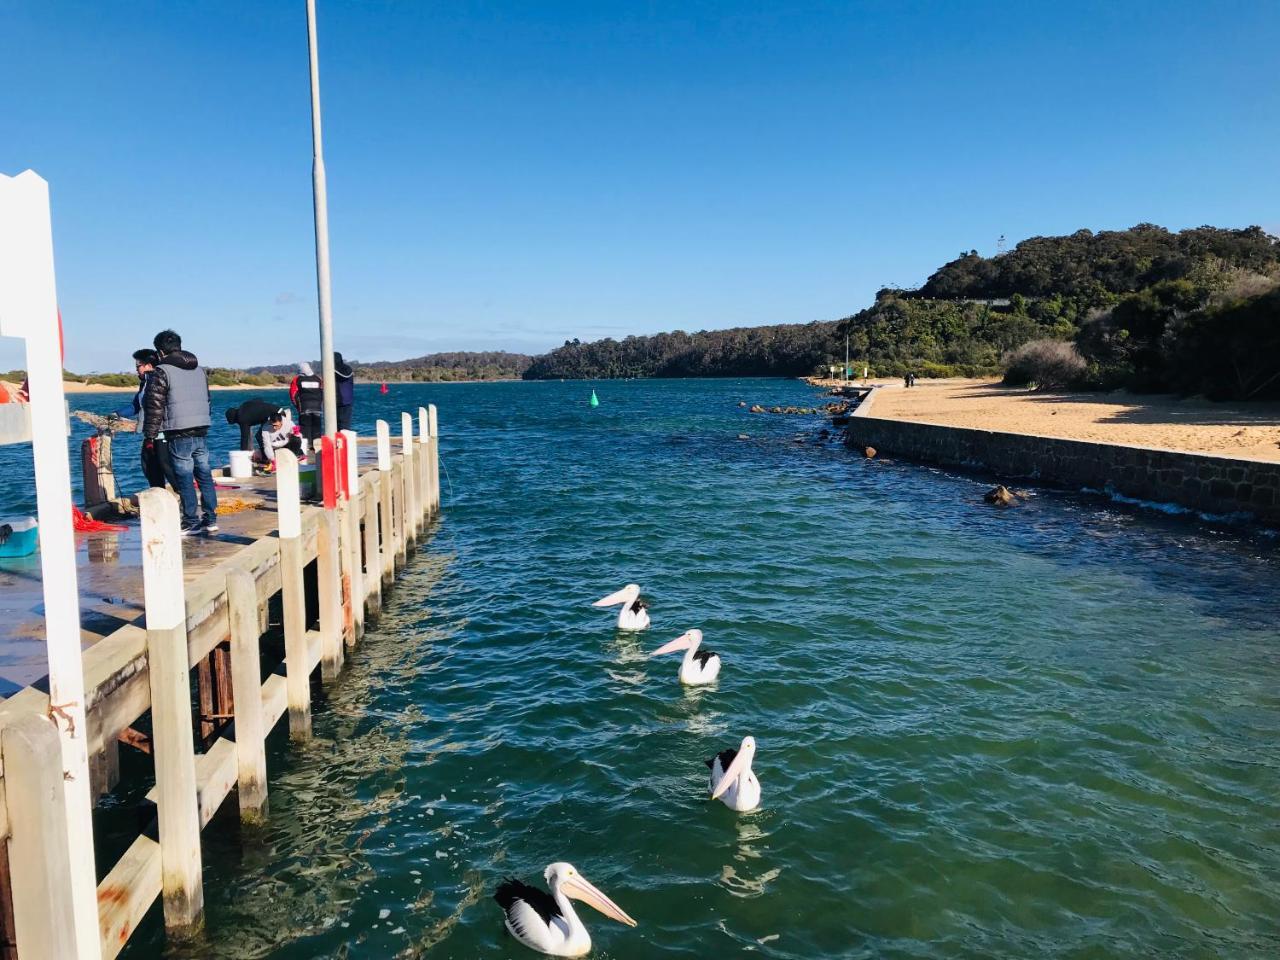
x=679, y=643
x=741, y=764
x=625, y=595
x=578, y=888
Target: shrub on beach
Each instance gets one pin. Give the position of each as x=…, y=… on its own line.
x=1047, y=364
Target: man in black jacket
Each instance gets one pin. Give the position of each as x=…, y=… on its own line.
x=177, y=402
x=254, y=412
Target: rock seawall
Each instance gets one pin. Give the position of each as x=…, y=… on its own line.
x=1208, y=484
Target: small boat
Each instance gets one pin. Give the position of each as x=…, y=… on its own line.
x=19, y=538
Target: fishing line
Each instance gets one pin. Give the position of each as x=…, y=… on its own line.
x=448, y=478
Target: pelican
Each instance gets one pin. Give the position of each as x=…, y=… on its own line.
x=546, y=922
x=699, y=666
x=732, y=782
x=633, y=615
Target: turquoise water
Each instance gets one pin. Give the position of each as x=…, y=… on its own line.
x=1052, y=731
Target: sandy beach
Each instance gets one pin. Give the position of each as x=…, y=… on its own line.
x=1147, y=420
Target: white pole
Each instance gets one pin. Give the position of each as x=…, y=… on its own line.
x=29, y=309
x=321, y=199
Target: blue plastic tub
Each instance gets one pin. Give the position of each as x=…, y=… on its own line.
x=19, y=538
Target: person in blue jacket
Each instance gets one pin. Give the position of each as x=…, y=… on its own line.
x=155, y=457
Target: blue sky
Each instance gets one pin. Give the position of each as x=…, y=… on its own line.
x=510, y=175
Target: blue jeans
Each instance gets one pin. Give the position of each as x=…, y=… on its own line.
x=190, y=459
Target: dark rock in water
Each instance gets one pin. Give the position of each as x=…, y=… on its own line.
x=743, y=436
x=798, y=440
x=775, y=409
x=1000, y=496
x=824, y=433
x=757, y=409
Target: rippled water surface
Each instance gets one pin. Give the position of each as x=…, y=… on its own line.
x=1052, y=731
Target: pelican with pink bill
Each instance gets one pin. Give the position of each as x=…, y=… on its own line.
x=546, y=921
x=699, y=667
x=733, y=782
x=633, y=615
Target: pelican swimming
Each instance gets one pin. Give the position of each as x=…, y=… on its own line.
x=633, y=615
x=699, y=666
x=732, y=782
x=547, y=922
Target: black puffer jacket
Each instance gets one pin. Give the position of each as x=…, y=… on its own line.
x=157, y=395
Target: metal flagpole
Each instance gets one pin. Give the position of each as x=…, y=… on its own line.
x=322, y=233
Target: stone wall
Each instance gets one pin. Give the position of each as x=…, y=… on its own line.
x=1217, y=485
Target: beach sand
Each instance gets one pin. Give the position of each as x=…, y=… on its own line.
x=1249, y=430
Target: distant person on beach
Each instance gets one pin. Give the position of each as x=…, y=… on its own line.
x=345, y=379
x=278, y=433
x=306, y=392
x=176, y=402
x=251, y=414
x=155, y=455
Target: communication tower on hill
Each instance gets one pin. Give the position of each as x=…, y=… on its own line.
x=1000, y=242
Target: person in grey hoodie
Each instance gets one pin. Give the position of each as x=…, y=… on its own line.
x=176, y=402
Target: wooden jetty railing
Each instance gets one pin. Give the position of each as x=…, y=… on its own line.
x=359, y=540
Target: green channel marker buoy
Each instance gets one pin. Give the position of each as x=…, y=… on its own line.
x=595, y=401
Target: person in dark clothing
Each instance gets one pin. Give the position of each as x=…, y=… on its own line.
x=307, y=394
x=345, y=379
x=254, y=412
x=177, y=402
x=155, y=456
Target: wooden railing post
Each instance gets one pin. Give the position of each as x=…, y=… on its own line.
x=424, y=464
x=173, y=747
x=351, y=538
x=43, y=912
x=246, y=685
x=328, y=573
x=385, y=483
x=435, y=457
x=372, y=551
x=408, y=451
x=297, y=658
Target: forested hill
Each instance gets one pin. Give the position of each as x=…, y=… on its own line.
x=782, y=350
x=434, y=367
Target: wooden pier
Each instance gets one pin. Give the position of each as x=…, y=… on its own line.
x=193, y=665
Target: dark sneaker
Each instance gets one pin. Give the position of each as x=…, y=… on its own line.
x=191, y=529
x=210, y=526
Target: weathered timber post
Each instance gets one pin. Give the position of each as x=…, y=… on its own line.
x=350, y=512
x=171, y=736
x=424, y=464
x=372, y=551
x=411, y=516
x=435, y=457
x=397, y=512
x=246, y=682
x=297, y=658
x=385, y=526
x=43, y=912
x=328, y=574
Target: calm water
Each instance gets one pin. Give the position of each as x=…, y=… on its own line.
x=1046, y=732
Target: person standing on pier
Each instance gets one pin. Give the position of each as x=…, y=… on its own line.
x=177, y=402
x=345, y=378
x=307, y=394
x=155, y=455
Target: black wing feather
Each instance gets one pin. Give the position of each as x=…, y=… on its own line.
x=702, y=656
x=511, y=890
x=725, y=757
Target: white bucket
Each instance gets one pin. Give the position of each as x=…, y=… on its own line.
x=241, y=464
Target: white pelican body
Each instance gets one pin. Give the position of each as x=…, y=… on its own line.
x=699, y=666
x=633, y=615
x=547, y=922
x=732, y=781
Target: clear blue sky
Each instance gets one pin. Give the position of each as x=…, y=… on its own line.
x=509, y=175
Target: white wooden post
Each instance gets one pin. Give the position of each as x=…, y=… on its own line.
x=42, y=875
x=435, y=457
x=29, y=309
x=424, y=464
x=297, y=658
x=351, y=538
x=173, y=746
x=372, y=551
x=408, y=451
x=246, y=687
x=386, y=527
x=329, y=587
